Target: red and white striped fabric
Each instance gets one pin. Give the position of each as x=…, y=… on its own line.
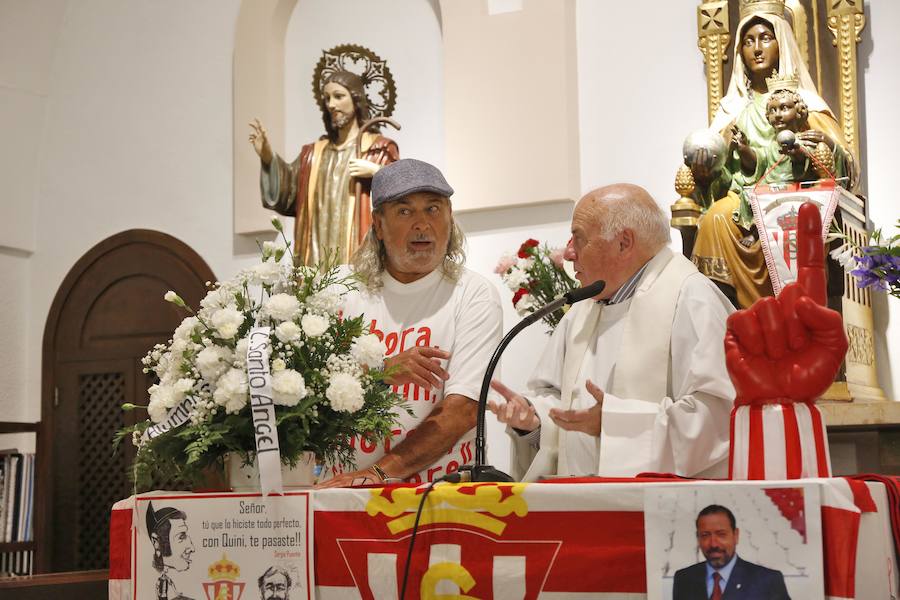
x=778, y=441
x=550, y=540
x=843, y=502
x=121, y=542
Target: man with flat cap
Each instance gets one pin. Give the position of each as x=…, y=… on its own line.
x=634, y=381
x=439, y=323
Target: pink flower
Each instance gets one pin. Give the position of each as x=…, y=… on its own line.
x=556, y=255
x=505, y=264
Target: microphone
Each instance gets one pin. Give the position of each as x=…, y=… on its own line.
x=570, y=297
x=579, y=294
x=479, y=471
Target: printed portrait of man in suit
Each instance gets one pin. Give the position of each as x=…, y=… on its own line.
x=724, y=575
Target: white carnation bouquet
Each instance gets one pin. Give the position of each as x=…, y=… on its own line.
x=326, y=373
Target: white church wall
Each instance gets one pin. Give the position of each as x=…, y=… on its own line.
x=137, y=135
x=509, y=91
x=27, y=34
x=15, y=351
x=641, y=90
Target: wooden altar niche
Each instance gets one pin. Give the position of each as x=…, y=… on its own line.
x=827, y=33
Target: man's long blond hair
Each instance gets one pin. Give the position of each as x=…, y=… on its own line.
x=370, y=258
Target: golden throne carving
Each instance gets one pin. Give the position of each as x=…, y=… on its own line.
x=827, y=33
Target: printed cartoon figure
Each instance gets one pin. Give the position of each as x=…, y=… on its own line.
x=172, y=548
x=275, y=584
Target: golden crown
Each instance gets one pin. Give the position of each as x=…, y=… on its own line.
x=224, y=569
x=790, y=82
x=751, y=7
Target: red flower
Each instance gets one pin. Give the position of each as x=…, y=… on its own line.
x=518, y=295
x=525, y=248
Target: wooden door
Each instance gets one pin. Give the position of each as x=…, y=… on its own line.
x=107, y=314
x=88, y=477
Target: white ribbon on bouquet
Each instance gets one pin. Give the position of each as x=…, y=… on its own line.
x=262, y=411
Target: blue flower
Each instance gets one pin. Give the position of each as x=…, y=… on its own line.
x=865, y=278
x=878, y=265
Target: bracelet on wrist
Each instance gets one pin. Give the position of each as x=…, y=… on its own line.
x=383, y=476
x=379, y=472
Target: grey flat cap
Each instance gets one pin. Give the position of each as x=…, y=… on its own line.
x=404, y=177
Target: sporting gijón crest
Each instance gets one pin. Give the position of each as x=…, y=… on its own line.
x=471, y=543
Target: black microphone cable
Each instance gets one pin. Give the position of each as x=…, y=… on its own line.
x=457, y=477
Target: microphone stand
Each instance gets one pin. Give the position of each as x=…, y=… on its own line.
x=479, y=471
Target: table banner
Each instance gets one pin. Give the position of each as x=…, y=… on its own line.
x=475, y=540
x=216, y=546
x=486, y=540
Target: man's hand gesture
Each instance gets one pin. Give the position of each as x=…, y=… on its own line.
x=516, y=412
x=585, y=420
x=788, y=349
x=419, y=365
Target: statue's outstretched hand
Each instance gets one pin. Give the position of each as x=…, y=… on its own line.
x=738, y=138
x=788, y=349
x=260, y=142
x=362, y=168
x=701, y=167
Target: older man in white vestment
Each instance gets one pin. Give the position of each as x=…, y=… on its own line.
x=633, y=380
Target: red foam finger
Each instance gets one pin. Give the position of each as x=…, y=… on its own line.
x=826, y=325
x=732, y=346
x=745, y=328
x=771, y=323
x=811, y=253
x=795, y=331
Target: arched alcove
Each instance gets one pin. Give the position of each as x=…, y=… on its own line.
x=277, y=46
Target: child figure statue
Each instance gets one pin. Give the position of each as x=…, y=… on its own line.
x=786, y=111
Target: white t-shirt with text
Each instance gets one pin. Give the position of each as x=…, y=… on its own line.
x=463, y=317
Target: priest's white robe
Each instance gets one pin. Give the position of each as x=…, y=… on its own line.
x=659, y=357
